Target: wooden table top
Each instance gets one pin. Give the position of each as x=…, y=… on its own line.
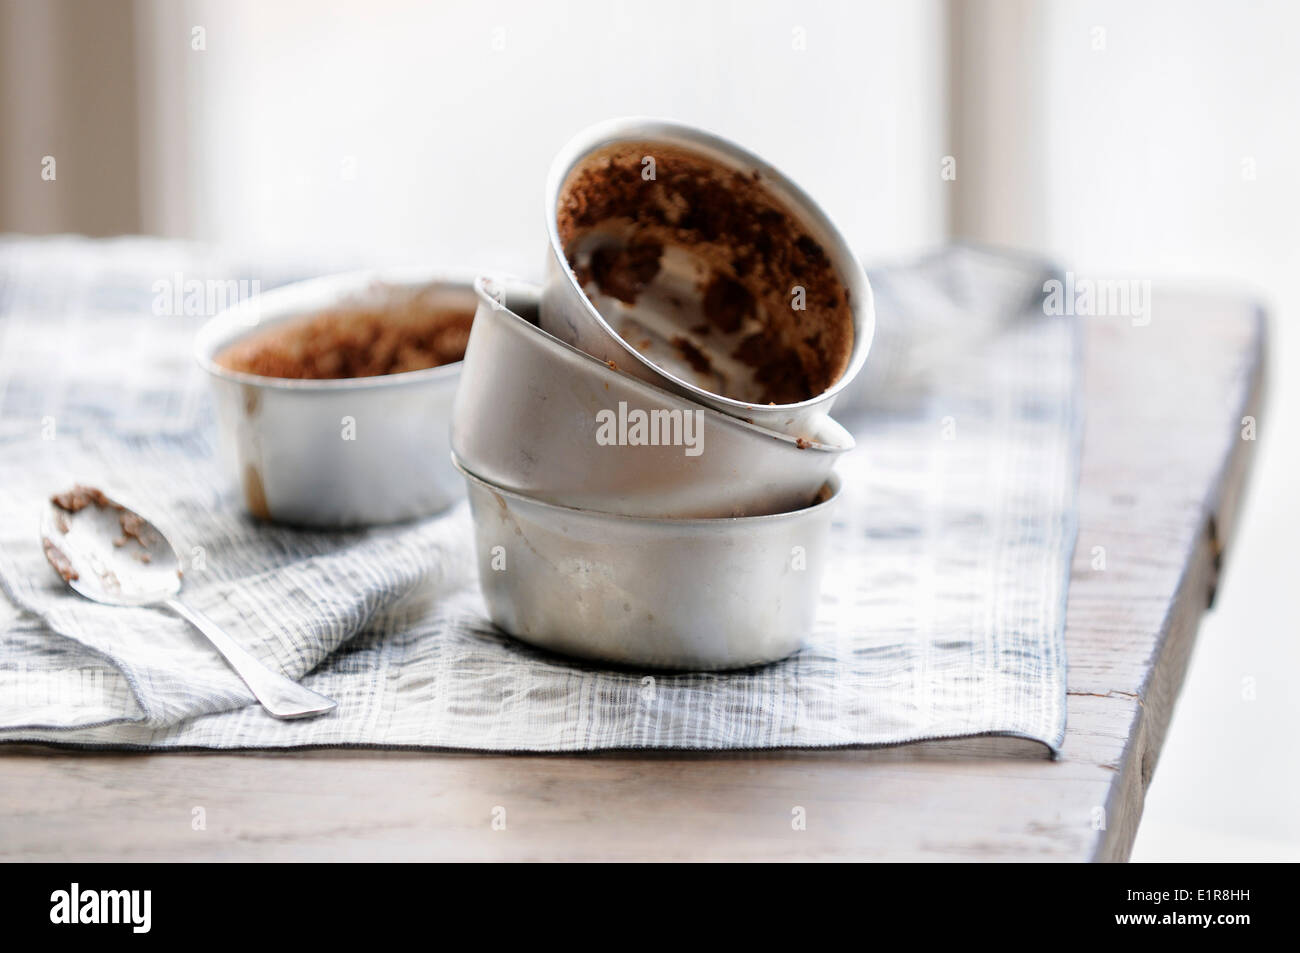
x=1164, y=464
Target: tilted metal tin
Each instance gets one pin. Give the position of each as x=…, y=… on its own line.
x=335, y=453
x=539, y=417
x=660, y=593
x=570, y=314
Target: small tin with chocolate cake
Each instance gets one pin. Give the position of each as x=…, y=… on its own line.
x=698, y=267
x=334, y=396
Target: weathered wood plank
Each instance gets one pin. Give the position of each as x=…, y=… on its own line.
x=1163, y=473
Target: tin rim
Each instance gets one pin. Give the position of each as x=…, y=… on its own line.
x=833, y=481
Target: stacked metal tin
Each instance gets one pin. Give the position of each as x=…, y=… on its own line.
x=646, y=438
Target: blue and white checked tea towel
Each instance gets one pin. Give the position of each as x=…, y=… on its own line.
x=943, y=607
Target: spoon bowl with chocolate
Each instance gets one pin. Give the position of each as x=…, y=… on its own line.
x=700, y=268
x=111, y=554
x=334, y=396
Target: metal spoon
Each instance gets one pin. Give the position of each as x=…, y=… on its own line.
x=112, y=555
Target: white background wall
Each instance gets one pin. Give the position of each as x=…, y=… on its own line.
x=427, y=128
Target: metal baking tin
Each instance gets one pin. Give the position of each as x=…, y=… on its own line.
x=658, y=593
x=539, y=417
x=569, y=314
x=335, y=453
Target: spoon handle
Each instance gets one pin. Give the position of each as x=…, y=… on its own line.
x=281, y=696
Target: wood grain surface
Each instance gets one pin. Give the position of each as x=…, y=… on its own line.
x=1164, y=468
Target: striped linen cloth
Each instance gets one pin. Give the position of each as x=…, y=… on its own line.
x=943, y=606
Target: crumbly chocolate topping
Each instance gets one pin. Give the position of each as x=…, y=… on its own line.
x=623, y=272
x=79, y=497
x=133, y=527
x=757, y=252
x=727, y=303
x=693, y=355
x=404, y=332
x=59, y=560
